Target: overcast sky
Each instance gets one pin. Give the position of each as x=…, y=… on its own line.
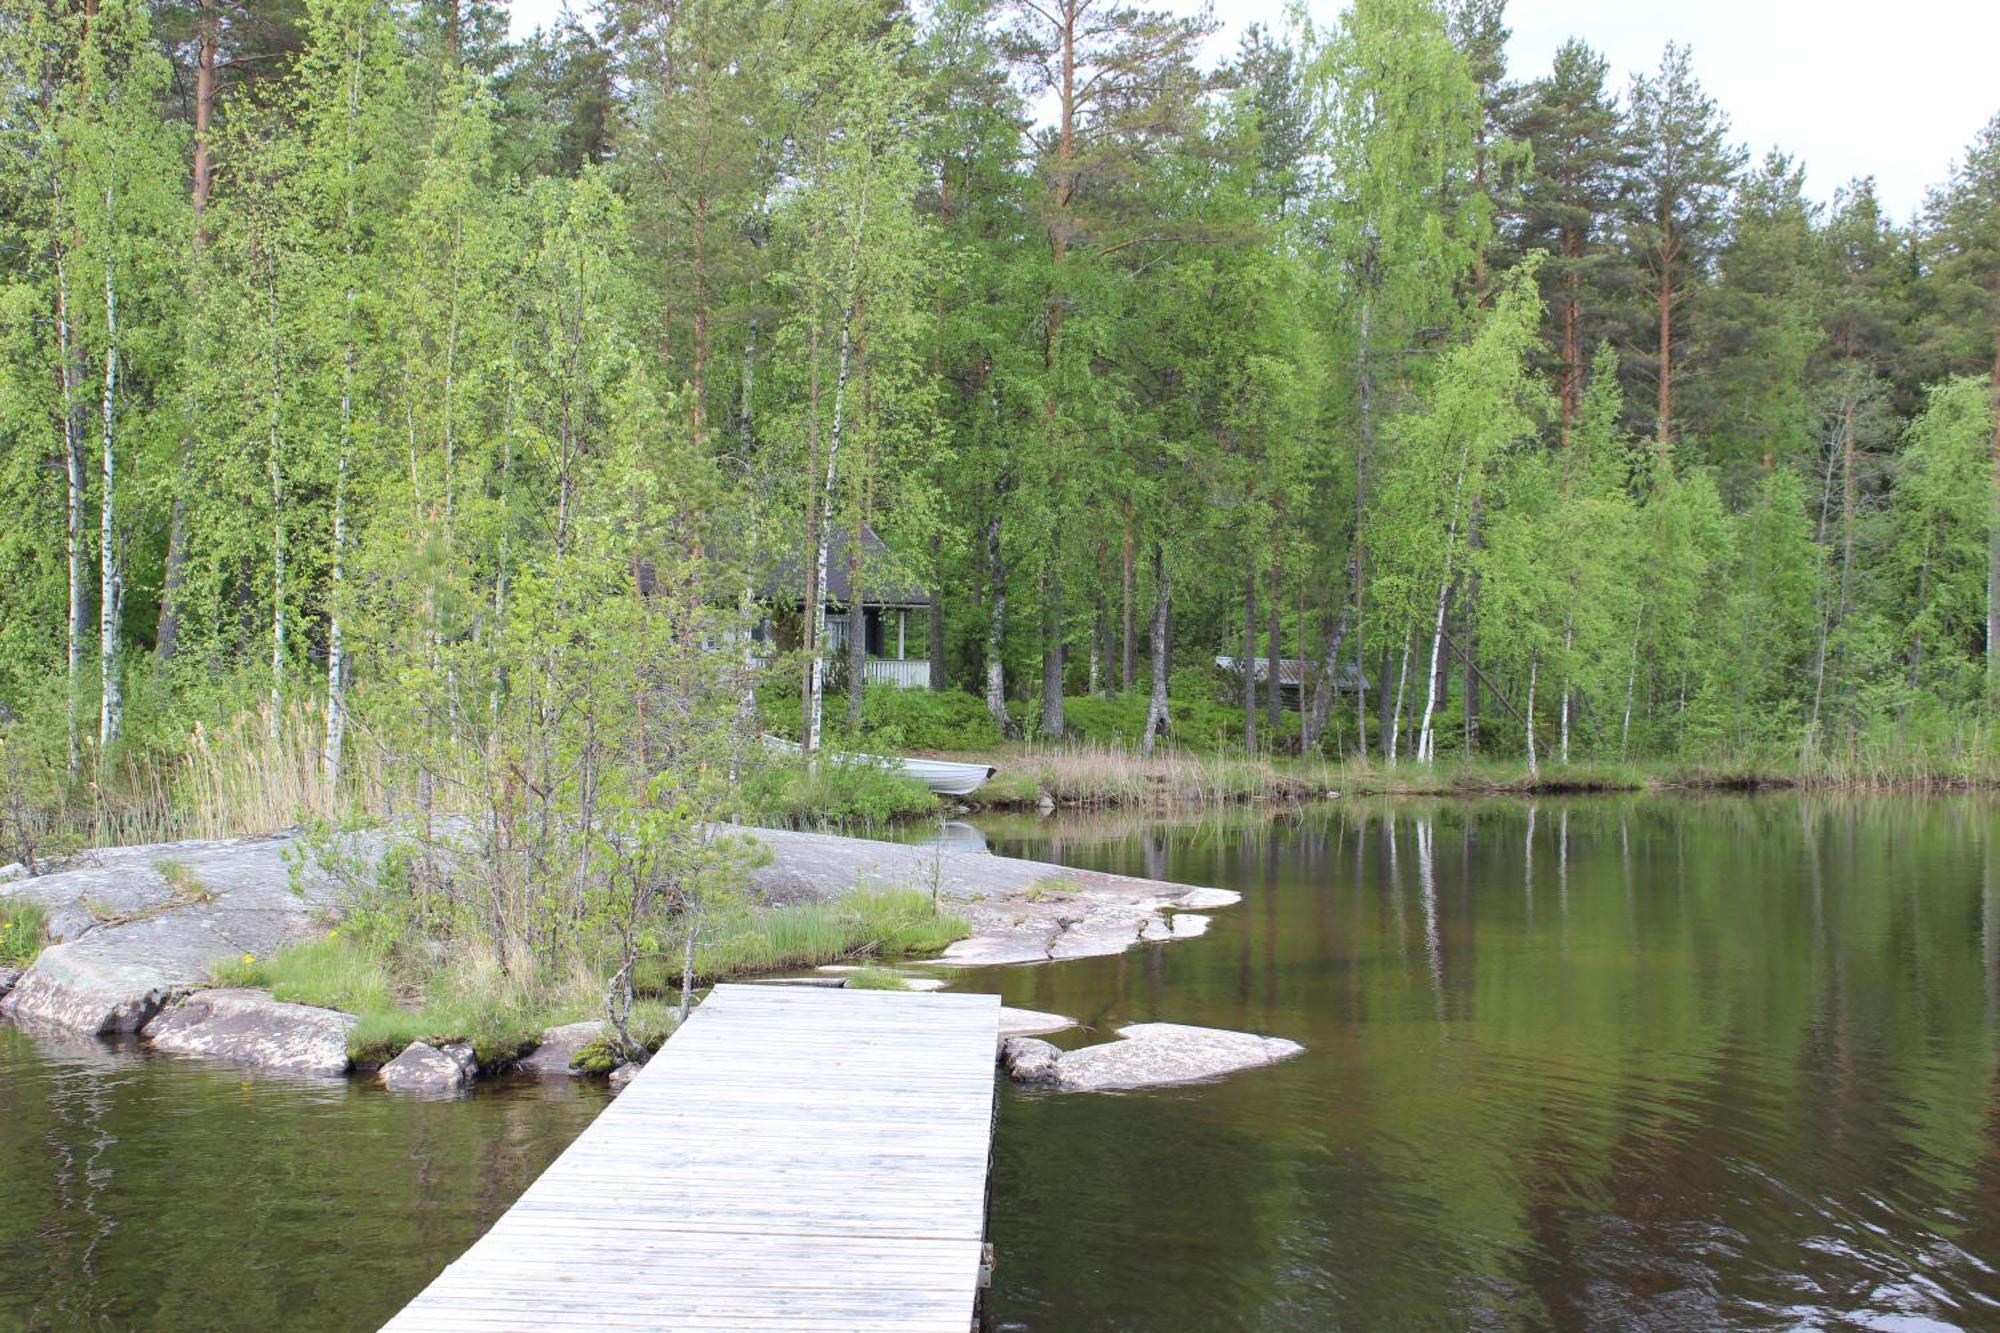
x=1890, y=88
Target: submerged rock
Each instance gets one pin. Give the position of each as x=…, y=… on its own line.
x=250, y=1028
x=556, y=1054
x=1146, y=1055
x=430, y=1070
x=1030, y=1022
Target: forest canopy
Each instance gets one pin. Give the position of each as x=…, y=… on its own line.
x=438, y=406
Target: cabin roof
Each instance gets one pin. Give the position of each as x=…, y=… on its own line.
x=880, y=585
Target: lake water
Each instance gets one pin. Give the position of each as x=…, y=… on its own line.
x=1672, y=1063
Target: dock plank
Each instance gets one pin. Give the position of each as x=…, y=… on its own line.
x=794, y=1158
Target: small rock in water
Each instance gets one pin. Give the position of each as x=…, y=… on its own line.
x=558, y=1049
x=1205, y=900
x=430, y=1071
x=1031, y=1060
x=622, y=1075
x=1030, y=1022
x=1147, y=1055
x=248, y=1027
x=1187, y=925
x=1156, y=928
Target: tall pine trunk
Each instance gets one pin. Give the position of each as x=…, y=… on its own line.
x=171, y=590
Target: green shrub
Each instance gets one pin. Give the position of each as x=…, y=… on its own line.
x=893, y=721
x=23, y=931
x=788, y=793
x=1199, y=715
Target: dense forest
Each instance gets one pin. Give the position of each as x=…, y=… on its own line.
x=443, y=409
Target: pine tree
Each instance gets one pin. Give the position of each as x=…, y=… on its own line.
x=1683, y=168
x=1568, y=208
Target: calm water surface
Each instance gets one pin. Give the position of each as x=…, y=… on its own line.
x=146, y=1192
x=1606, y=1064
x=1598, y=1064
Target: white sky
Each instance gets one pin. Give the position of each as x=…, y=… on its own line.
x=1850, y=87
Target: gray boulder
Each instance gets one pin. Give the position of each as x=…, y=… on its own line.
x=431, y=1071
x=1031, y=1060
x=130, y=938
x=623, y=1075
x=250, y=1028
x=558, y=1049
x=1147, y=1055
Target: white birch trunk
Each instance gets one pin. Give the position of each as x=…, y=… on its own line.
x=1528, y=718
x=277, y=529
x=111, y=713
x=336, y=701
x=816, y=665
x=1396, y=716
x=1631, y=679
x=1569, y=637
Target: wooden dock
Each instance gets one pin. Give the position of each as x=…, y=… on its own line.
x=793, y=1158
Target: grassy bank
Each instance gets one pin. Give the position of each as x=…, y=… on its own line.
x=400, y=1000
x=1108, y=777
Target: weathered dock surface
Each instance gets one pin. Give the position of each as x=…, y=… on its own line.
x=793, y=1158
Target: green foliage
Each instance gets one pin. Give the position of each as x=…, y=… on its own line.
x=893, y=721
x=23, y=931
x=838, y=790
x=876, y=978
x=866, y=923
x=339, y=971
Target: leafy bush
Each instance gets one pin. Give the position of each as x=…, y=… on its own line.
x=788, y=793
x=1199, y=715
x=892, y=720
x=22, y=932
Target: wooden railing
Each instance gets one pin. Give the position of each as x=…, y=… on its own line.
x=911, y=673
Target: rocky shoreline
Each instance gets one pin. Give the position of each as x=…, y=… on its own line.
x=137, y=931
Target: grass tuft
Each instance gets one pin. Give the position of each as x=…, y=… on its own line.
x=876, y=978
x=23, y=932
